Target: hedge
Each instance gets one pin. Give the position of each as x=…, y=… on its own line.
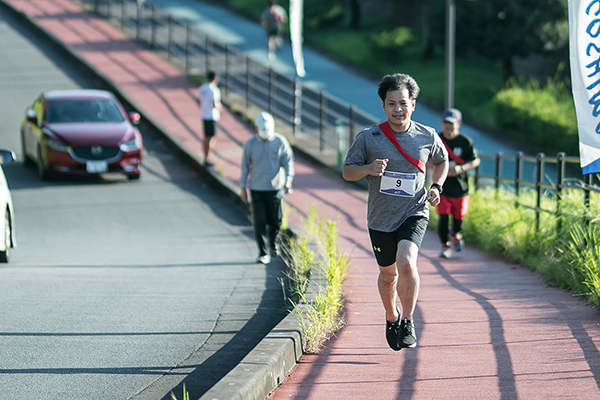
x=539, y=117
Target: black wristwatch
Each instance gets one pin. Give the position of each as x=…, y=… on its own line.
x=438, y=187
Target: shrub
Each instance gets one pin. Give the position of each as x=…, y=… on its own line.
x=323, y=13
x=541, y=116
x=388, y=45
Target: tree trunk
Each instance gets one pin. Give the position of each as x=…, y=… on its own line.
x=428, y=49
x=354, y=14
x=507, y=68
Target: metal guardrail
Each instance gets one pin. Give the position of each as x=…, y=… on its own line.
x=330, y=120
x=316, y=113
x=548, y=177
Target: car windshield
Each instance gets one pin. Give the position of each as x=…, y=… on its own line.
x=94, y=110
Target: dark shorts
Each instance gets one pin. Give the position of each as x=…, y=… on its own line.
x=210, y=127
x=385, y=244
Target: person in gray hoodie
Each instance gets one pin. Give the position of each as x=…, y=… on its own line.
x=267, y=172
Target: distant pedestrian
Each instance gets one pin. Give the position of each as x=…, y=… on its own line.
x=209, y=100
x=392, y=156
x=455, y=197
x=267, y=171
x=272, y=19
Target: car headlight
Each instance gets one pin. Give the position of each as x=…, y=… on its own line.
x=131, y=145
x=56, y=145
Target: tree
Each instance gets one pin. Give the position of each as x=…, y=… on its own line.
x=502, y=29
x=354, y=7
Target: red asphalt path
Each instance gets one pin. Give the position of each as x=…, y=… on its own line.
x=486, y=329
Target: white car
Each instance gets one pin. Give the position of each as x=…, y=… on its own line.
x=7, y=224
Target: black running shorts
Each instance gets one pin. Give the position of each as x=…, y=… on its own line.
x=209, y=127
x=385, y=244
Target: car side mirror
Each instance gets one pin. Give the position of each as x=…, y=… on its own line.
x=7, y=156
x=32, y=116
x=135, y=118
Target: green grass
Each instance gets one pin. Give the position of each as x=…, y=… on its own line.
x=566, y=254
x=321, y=316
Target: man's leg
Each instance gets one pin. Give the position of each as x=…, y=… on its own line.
x=388, y=278
x=271, y=42
x=209, y=132
x=206, y=147
x=387, y=284
x=443, y=230
x=459, y=213
x=408, y=277
x=443, y=210
x=274, y=215
x=259, y=218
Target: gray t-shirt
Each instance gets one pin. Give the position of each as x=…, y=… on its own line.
x=266, y=165
x=388, y=206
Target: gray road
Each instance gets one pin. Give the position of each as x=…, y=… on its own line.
x=119, y=289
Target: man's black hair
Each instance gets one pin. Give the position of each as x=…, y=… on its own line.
x=398, y=81
x=211, y=75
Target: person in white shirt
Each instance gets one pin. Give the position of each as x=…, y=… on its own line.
x=209, y=100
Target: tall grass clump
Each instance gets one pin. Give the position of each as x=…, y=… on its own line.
x=186, y=394
x=564, y=249
x=321, y=315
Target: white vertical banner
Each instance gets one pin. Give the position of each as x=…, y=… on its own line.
x=296, y=18
x=584, y=41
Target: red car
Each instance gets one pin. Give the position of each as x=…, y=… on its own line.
x=81, y=132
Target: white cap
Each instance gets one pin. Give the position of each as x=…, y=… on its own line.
x=265, y=124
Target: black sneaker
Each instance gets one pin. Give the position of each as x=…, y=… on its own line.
x=408, y=338
x=392, y=331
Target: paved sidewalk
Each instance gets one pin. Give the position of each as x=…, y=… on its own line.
x=486, y=329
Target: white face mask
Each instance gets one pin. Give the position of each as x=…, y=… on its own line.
x=266, y=135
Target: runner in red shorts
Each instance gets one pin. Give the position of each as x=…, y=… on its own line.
x=455, y=193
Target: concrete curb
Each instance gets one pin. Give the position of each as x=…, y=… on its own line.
x=267, y=365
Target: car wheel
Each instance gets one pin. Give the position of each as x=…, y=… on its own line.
x=5, y=255
x=42, y=172
x=27, y=161
x=133, y=177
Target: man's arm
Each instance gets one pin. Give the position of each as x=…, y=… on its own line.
x=440, y=171
x=353, y=172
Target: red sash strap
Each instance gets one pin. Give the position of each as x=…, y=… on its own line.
x=453, y=156
x=389, y=133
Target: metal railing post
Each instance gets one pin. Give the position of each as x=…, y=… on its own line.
x=248, y=83
x=138, y=21
x=497, y=171
x=227, y=70
x=560, y=174
x=153, y=27
x=587, y=179
x=518, y=168
x=188, y=45
x=297, y=122
x=539, y=176
x=270, y=91
x=322, y=117
x=170, y=38
x=351, y=125
x=206, y=54
x=123, y=14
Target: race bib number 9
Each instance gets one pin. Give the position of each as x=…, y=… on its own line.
x=398, y=184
